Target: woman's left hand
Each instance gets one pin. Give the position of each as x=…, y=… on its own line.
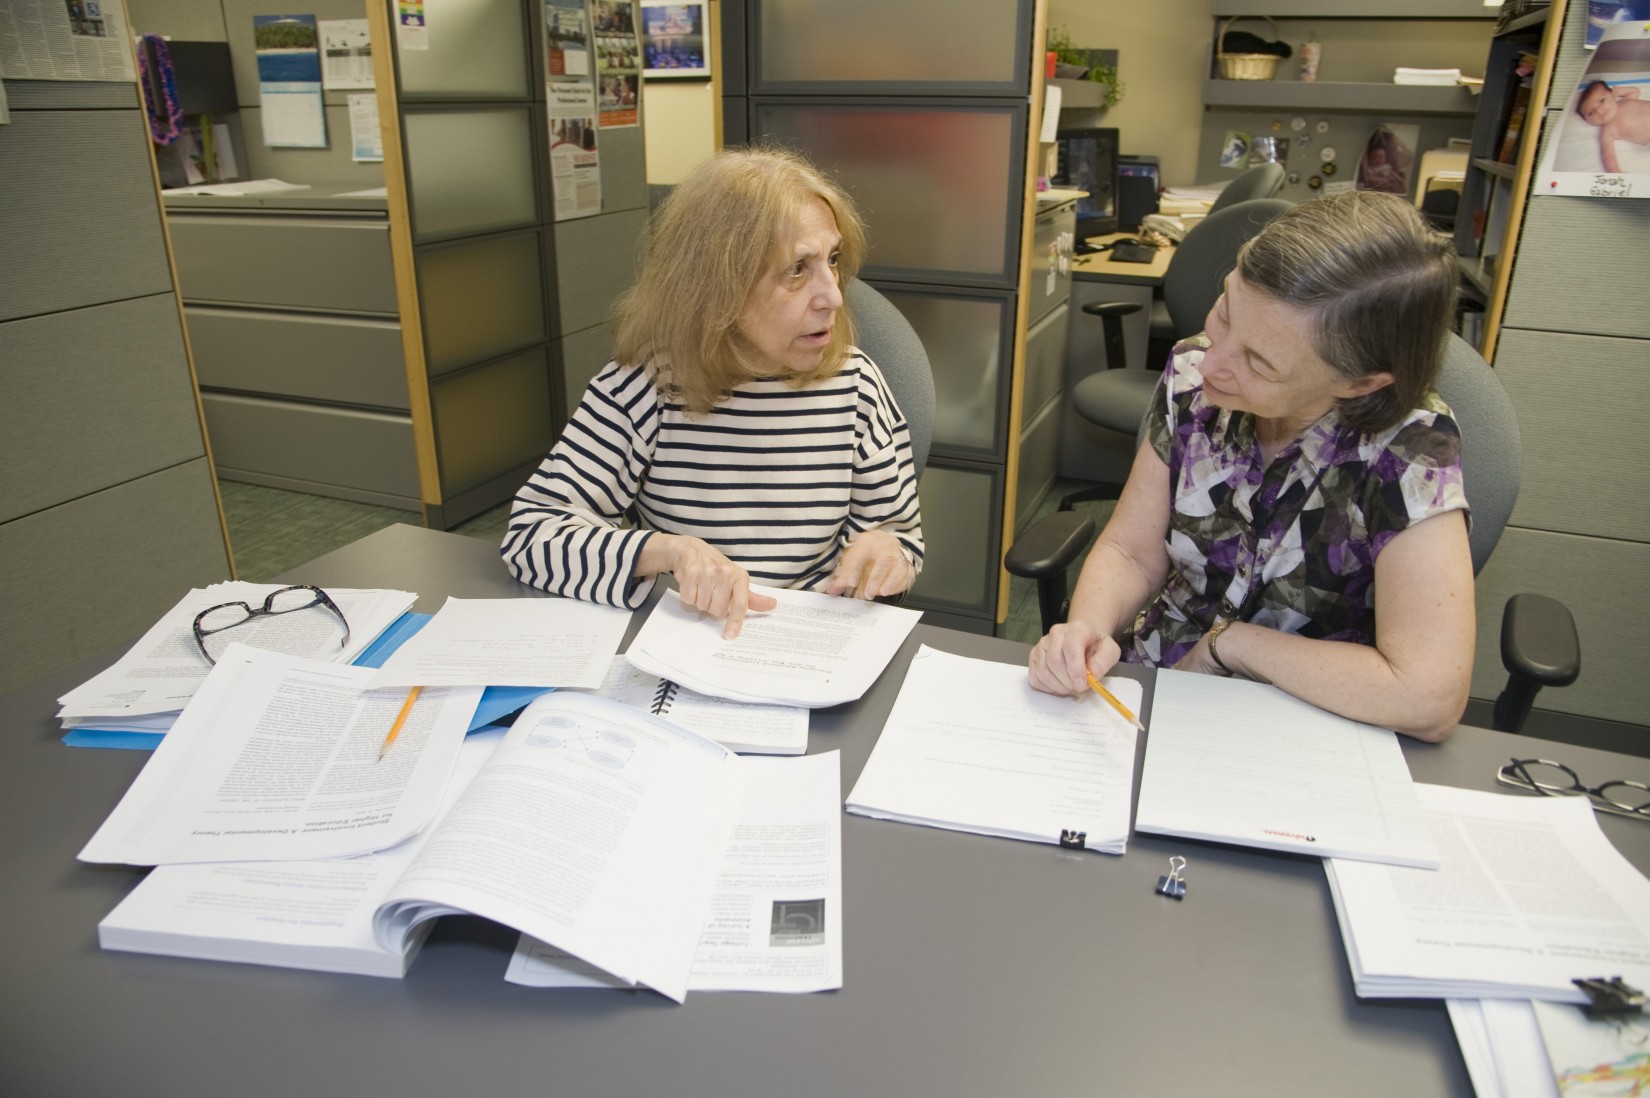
x=872, y=566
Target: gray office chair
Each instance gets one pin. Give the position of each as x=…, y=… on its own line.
x=1261, y=181
x=1116, y=397
x=1539, y=645
x=882, y=332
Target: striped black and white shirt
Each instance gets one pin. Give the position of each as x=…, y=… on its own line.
x=778, y=478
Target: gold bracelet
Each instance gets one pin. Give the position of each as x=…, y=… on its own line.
x=1220, y=626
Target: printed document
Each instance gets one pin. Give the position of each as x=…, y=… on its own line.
x=1243, y=762
x=970, y=746
x=276, y=758
x=313, y=915
x=159, y=674
x=814, y=650
x=509, y=642
x=1530, y=895
x=594, y=827
x=776, y=914
x=745, y=727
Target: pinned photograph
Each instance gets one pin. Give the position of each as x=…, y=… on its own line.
x=1601, y=143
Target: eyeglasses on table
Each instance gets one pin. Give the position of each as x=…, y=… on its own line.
x=288, y=600
x=1554, y=779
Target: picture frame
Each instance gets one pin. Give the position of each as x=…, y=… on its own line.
x=676, y=39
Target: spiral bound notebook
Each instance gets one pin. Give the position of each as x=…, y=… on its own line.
x=746, y=727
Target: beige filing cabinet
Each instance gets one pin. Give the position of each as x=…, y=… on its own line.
x=1047, y=310
x=291, y=308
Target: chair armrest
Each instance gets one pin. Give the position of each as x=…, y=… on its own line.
x=1539, y=647
x=1539, y=641
x=1104, y=309
x=1050, y=545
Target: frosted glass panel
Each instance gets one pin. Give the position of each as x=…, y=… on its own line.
x=477, y=48
x=963, y=337
x=943, y=41
x=935, y=185
x=470, y=171
x=959, y=531
x=480, y=299
x=491, y=420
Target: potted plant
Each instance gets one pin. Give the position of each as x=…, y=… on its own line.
x=1072, y=63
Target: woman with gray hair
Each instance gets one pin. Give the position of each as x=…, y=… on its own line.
x=738, y=425
x=1297, y=514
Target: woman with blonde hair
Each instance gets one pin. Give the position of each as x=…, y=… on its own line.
x=738, y=425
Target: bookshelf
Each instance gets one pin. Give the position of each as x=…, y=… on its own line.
x=1505, y=137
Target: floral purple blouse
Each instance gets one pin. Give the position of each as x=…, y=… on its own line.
x=1292, y=545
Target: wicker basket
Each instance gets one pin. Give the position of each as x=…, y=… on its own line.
x=1246, y=66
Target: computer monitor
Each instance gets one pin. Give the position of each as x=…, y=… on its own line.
x=1086, y=160
x=1137, y=186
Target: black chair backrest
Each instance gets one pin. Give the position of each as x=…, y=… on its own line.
x=881, y=331
x=1206, y=256
x=1261, y=181
x=1490, y=442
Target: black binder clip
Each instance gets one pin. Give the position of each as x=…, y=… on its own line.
x=1610, y=998
x=1073, y=840
x=1172, y=884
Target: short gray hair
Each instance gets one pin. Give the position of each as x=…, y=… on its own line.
x=1380, y=284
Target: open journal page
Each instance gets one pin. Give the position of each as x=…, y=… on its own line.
x=776, y=916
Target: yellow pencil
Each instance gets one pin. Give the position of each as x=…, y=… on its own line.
x=1111, y=699
x=406, y=708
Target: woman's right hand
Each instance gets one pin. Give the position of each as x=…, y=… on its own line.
x=705, y=578
x=1070, y=652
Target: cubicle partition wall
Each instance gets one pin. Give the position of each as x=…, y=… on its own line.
x=418, y=347
x=108, y=511
x=933, y=145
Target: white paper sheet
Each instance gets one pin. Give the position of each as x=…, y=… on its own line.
x=1242, y=762
x=312, y=915
x=814, y=650
x=776, y=914
x=509, y=642
x=1530, y=895
x=594, y=827
x=276, y=758
x=970, y=746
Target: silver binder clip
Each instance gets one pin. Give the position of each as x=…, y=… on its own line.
x=1172, y=884
x=1072, y=839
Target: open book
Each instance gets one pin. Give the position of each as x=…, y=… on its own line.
x=746, y=727
x=593, y=827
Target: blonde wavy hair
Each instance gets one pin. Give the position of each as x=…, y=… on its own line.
x=729, y=224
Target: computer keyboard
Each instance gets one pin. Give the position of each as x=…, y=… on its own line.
x=1133, y=253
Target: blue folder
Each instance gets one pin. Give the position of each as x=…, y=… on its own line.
x=498, y=703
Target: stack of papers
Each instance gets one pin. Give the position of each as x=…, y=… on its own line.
x=813, y=650
x=1530, y=896
x=146, y=688
x=970, y=746
x=1427, y=77
x=1243, y=762
x=1517, y=1049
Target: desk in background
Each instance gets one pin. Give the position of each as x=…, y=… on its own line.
x=974, y=966
x=1088, y=452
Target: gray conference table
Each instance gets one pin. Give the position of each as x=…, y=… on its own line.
x=974, y=966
